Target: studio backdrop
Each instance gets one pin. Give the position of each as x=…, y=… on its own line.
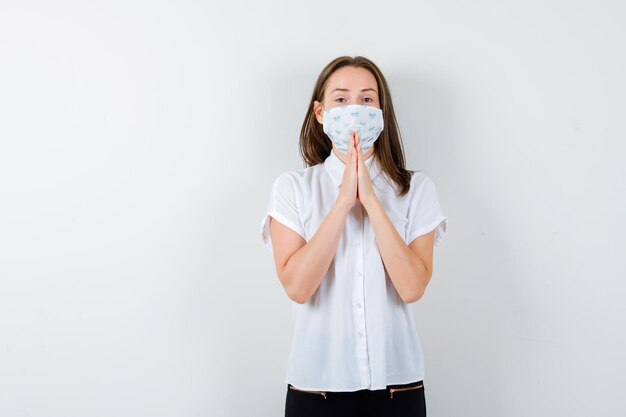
x=138, y=144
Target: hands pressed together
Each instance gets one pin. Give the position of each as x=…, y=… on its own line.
x=356, y=183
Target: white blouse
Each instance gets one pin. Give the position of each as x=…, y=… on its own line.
x=354, y=332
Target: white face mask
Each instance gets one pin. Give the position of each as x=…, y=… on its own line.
x=361, y=118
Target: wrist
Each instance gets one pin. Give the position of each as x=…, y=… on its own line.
x=370, y=203
x=343, y=205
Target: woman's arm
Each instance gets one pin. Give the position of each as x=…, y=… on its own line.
x=408, y=266
x=301, y=265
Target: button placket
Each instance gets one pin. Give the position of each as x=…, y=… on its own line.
x=359, y=301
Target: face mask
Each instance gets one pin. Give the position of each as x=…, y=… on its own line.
x=361, y=118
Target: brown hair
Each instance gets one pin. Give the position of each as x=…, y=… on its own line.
x=315, y=146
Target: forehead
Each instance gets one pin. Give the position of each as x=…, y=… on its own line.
x=353, y=79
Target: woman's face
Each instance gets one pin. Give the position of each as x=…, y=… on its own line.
x=348, y=85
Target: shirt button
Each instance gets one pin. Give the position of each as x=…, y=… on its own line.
x=358, y=273
x=357, y=244
x=361, y=334
x=358, y=305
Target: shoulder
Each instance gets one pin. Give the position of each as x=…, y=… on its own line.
x=297, y=180
x=422, y=184
x=419, y=177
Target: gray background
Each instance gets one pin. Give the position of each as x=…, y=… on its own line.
x=138, y=144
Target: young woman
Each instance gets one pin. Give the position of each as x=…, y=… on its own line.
x=353, y=236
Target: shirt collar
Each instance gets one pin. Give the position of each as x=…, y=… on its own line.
x=335, y=167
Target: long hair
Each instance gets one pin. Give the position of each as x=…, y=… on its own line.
x=315, y=146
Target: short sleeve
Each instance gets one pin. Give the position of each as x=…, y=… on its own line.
x=425, y=213
x=282, y=207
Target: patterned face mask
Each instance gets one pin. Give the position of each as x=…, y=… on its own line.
x=361, y=118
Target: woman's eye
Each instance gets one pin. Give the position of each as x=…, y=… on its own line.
x=366, y=98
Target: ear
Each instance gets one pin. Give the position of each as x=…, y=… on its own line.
x=318, y=110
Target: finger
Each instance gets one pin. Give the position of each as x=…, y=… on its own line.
x=356, y=155
x=352, y=152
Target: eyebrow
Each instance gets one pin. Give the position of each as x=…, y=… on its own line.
x=345, y=89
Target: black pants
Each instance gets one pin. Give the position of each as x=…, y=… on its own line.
x=402, y=400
